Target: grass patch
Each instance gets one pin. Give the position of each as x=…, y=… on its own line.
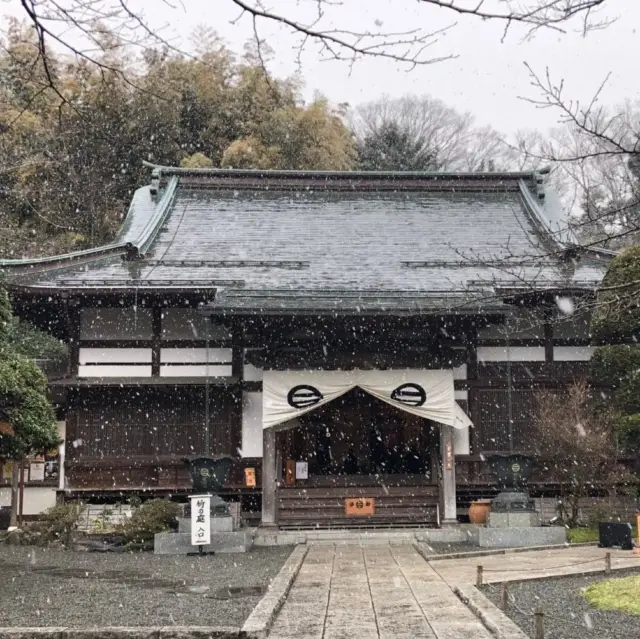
x=615, y=594
x=582, y=535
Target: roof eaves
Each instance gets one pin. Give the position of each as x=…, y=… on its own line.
x=131, y=249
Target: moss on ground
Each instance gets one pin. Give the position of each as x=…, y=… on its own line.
x=616, y=594
x=582, y=535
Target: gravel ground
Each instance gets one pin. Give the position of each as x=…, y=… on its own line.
x=561, y=597
x=52, y=587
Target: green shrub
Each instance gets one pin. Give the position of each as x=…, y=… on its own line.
x=157, y=515
x=58, y=524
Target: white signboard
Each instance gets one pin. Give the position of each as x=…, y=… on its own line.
x=302, y=470
x=200, y=520
x=36, y=471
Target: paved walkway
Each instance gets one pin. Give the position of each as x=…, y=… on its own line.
x=374, y=592
x=517, y=566
x=391, y=592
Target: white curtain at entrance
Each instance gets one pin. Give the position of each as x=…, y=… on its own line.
x=426, y=393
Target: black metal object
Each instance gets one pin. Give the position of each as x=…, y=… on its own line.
x=5, y=517
x=613, y=533
x=512, y=472
x=208, y=475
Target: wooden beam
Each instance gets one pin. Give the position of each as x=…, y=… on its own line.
x=156, y=331
x=448, y=487
x=548, y=336
x=73, y=327
x=269, y=478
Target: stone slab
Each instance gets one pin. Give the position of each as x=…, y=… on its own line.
x=513, y=520
x=514, y=537
x=219, y=523
x=491, y=616
x=221, y=542
x=261, y=619
x=138, y=632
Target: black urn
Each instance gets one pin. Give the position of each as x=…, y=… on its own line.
x=208, y=474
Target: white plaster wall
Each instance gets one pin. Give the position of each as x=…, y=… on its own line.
x=460, y=372
x=515, y=353
x=195, y=370
x=99, y=362
x=461, y=441
x=252, y=424
x=252, y=374
x=194, y=355
x=572, y=353
x=36, y=499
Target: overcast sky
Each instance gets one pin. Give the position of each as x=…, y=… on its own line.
x=487, y=77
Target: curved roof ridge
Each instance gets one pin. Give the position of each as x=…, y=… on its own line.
x=142, y=222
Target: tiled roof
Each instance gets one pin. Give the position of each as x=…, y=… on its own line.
x=283, y=240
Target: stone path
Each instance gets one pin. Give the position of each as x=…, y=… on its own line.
x=518, y=566
x=372, y=592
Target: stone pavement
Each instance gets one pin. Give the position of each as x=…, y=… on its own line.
x=372, y=592
x=517, y=566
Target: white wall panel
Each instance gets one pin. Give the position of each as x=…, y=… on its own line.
x=252, y=374
x=460, y=372
x=194, y=355
x=252, y=424
x=461, y=394
x=572, y=353
x=115, y=355
x=195, y=370
x=516, y=354
x=36, y=499
x=114, y=371
x=115, y=323
x=461, y=444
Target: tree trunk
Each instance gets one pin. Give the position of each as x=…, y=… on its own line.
x=15, y=492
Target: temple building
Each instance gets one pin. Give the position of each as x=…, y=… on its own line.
x=358, y=342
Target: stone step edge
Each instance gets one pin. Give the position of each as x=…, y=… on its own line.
x=261, y=619
x=493, y=619
x=125, y=632
x=495, y=551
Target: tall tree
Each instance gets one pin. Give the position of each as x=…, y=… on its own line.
x=616, y=364
x=26, y=415
x=390, y=148
x=431, y=133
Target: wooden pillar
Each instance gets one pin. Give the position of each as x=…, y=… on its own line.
x=269, y=478
x=448, y=488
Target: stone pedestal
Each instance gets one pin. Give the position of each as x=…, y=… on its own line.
x=219, y=523
x=521, y=537
x=513, y=519
x=172, y=543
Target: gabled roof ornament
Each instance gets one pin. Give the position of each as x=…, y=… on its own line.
x=155, y=182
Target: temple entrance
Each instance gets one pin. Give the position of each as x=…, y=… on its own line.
x=358, y=447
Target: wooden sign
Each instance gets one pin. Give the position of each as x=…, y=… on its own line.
x=358, y=506
x=290, y=473
x=200, y=520
x=250, y=477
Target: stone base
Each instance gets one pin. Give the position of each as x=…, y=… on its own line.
x=219, y=523
x=221, y=542
x=513, y=519
x=518, y=537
